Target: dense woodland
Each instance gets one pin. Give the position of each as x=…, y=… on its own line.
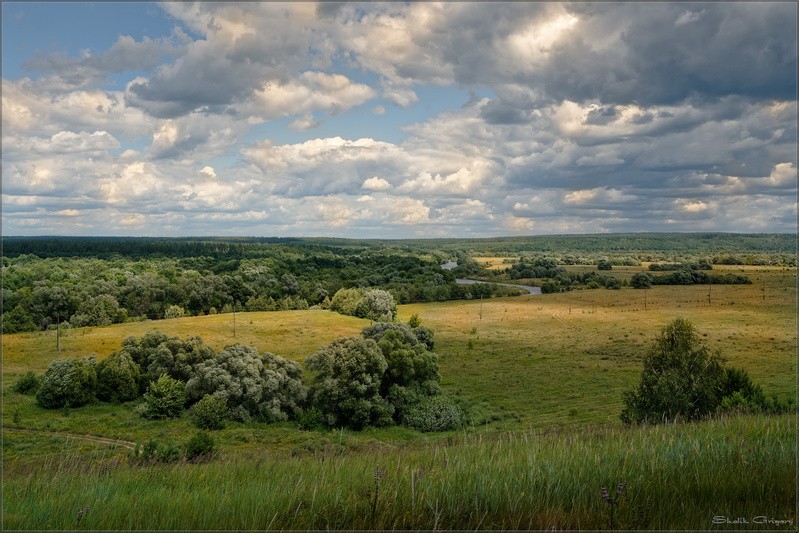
x=742, y=248
x=99, y=281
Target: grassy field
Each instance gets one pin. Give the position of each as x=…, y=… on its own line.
x=676, y=478
x=291, y=334
x=542, y=377
x=565, y=358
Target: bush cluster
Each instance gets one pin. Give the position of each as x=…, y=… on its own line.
x=376, y=378
x=169, y=373
x=200, y=446
x=373, y=379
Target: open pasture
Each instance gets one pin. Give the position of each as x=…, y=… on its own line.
x=542, y=377
x=566, y=358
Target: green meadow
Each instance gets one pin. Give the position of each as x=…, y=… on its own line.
x=541, y=378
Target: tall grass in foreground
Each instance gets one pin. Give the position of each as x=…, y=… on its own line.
x=677, y=477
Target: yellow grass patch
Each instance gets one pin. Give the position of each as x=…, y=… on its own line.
x=496, y=263
x=291, y=334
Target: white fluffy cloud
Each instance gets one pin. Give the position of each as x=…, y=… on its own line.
x=281, y=118
x=313, y=91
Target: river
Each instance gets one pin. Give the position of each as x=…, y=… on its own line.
x=452, y=264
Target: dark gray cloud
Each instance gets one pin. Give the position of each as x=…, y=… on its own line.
x=126, y=54
x=245, y=46
x=663, y=54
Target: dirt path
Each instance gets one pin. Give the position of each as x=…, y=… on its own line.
x=89, y=438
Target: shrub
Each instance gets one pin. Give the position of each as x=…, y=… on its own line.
x=346, y=385
x=680, y=379
x=737, y=381
x=549, y=287
x=345, y=301
x=209, y=413
x=604, y=265
x=284, y=391
x=118, y=378
x=68, y=383
x=434, y=414
x=267, y=387
x=164, y=398
x=174, y=311
x=641, y=280
x=168, y=452
x=411, y=372
x=377, y=330
x=201, y=445
x=377, y=305
x=154, y=450
x=27, y=383
x=310, y=419
x=739, y=393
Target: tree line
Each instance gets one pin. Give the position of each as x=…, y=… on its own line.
x=38, y=293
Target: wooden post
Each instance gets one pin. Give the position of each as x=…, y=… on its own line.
x=234, y=319
x=645, y=289
x=481, y=307
x=709, y=288
x=58, y=332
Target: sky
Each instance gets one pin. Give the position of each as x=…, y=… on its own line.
x=398, y=120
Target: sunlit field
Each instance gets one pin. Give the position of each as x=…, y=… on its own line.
x=541, y=377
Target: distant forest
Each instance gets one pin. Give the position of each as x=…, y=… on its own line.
x=252, y=247
x=94, y=281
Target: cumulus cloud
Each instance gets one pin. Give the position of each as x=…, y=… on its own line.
x=333, y=93
x=579, y=117
x=376, y=183
x=305, y=122
x=64, y=72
